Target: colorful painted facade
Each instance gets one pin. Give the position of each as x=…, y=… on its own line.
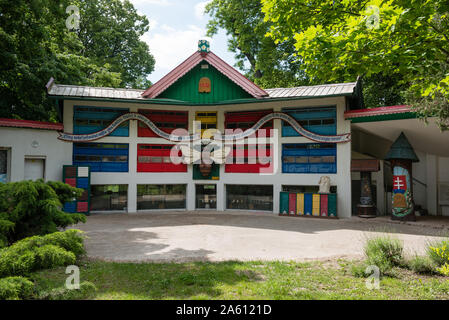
x=280, y=141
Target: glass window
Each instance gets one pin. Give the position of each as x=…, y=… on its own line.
x=3, y=165
x=249, y=197
x=109, y=197
x=206, y=196
x=157, y=196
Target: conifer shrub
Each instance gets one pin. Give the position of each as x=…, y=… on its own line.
x=29, y=208
x=41, y=252
x=16, y=288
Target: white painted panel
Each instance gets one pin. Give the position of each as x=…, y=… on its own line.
x=34, y=169
x=83, y=172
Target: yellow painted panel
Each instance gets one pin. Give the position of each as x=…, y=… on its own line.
x=207, y=118
x=316, y=204
x=300, y=203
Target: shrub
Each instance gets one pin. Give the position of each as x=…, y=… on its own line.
x=423, y=265
x=438, y=252
x=41, y=252
x=358, y=270
x=15, y=288
x=384, y=252
x=71, y=240
x=86, y=290
x=30, y=208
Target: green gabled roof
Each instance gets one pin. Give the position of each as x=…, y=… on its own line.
x=402, y=149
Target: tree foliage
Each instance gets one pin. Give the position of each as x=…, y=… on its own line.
x=35, y=44
x=271, y=64
x=406, y=40
x=29, y=208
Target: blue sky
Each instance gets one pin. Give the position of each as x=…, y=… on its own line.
x=175, y=28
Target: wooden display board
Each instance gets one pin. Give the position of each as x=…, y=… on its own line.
x=78, y=177
x=318, y=205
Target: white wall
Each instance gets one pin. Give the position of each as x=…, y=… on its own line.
x=432, y=170
x=34, y=143
x=342, y=179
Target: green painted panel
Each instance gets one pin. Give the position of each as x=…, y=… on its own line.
x=283, y=206
x=186, y=88
x=332, y=204
x=214, y=173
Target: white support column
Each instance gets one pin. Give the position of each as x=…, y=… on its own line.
x=344, y=183
x=380, y=189
x=277, y=188
x=132, y=198
x=132, y=167
x=221, y=196
x=432, y=184
x=190, y=195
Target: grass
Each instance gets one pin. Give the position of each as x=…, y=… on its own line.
x=242, y=280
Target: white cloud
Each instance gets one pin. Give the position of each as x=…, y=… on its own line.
x=153, y=24
x=171, y=46
x=200, y=7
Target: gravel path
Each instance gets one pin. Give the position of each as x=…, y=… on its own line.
x=218, y=236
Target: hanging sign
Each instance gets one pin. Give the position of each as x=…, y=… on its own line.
x=204, y=85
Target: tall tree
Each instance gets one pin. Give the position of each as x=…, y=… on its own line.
x=406, y=40
x=110, y=32
x=35, y=44
x=270, y=64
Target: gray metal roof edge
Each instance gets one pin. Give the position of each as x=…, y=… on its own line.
x=178, y=102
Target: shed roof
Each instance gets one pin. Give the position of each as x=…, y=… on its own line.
x=4, y=122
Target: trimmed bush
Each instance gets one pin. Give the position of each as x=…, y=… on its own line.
x=86, y=290
x=41, y=252
x=384, y=252
x=29, y=208
x=16, y=288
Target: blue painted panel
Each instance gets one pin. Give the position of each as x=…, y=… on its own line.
x=69, y=207
x=82, y=183
x=308, y=204
x=327, y=130
x=295, y=168
x=119, y=132
x=95, y=115
x=309, y=150
x=322, y=168
x=306, y=114
x=103, y=162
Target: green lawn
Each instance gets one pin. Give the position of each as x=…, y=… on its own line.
x=242, y=280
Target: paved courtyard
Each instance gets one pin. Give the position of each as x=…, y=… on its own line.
x=218, y=236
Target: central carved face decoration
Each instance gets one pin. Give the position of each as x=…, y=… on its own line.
x=205, y=169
